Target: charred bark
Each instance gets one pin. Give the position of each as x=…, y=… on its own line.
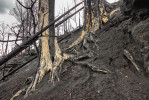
x=51, y=4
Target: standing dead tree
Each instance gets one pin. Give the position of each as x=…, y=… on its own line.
x=3, y=34
x=27, y=15
x=6, y=49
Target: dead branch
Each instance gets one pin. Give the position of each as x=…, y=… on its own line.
x=33, y=2
x=129, y=56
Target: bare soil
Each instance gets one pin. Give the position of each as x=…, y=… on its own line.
x=80, y=82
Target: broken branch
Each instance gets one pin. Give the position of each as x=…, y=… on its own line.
x=129, y=56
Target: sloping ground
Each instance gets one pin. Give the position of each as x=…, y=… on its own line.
x=126, y=30
x=13, y=83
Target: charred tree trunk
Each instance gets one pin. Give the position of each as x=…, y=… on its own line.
x=51, y=4
x=6, y=49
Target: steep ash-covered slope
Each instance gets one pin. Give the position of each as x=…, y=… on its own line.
x=128, y=29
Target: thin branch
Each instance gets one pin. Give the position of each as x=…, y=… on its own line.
x=129, y=56
x=25, y=6
x=10, y=40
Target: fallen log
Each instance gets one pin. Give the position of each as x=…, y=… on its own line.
x=35, y=37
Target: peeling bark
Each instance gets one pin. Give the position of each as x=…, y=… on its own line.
x=45, y=58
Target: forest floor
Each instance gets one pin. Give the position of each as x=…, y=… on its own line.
x=79, y=82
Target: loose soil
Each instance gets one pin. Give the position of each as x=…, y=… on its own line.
x=80, y=82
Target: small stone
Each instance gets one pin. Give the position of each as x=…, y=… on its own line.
x=98, y=91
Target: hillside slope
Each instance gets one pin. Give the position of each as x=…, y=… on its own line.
x=128, y=29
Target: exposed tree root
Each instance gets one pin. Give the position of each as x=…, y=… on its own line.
x=94, y=68
x=113, y=12
x=17, y=94
x=85, y=61
x=85, y=35
x=78, y=40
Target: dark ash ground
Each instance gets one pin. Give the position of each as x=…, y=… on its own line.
x=128, y=29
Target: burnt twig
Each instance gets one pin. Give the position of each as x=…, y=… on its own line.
x=129, y=56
